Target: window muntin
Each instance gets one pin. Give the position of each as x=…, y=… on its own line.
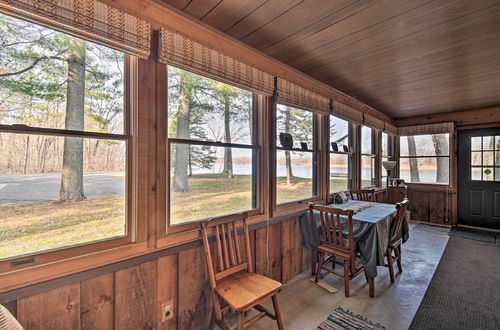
x=212, y=151
x=340, y=160
x=485, y=158
x=367, y=157
x=425, y=158
x=63, y=141
x=295, y=167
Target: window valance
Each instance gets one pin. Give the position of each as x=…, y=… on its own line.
x=439, y=128
x=390, y=129
x=180, y=51
x=294, y=95
x=87, y=19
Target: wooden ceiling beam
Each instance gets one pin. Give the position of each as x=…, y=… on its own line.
x=160, y=15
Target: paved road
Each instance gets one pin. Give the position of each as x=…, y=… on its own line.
x=45, y=187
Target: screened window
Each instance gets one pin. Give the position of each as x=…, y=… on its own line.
x=367, y=157
x=295, y=166
x=485, y=158
x=212, y=149
x=425, y=158
x=340, y=160
x=63, y=140
x=386, y=154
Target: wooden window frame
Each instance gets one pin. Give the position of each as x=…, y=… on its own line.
x=67, y=259
x=170, y=235
x=319, y=124
x=350, y=169
x=451, y=164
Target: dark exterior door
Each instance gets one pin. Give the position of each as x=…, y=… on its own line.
x=479, y=178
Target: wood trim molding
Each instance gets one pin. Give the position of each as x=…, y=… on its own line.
x=161, y=15
x=485, y=116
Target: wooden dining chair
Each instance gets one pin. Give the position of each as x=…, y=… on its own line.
x=8, y=321
x=231, y=273
x=395, y=238
x=332, y=241
x=367, y=195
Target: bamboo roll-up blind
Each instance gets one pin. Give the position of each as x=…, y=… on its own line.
x=185, y=53
x=439, y=128
x=294, y=95
x=87, y=19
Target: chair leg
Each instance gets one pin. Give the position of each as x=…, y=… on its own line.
x=371, y=287
x=346, y=278
x=320, y=265
x=400, y=267
x=241, y=321
x=390, y=261
x=277, y=312
x=314, y=260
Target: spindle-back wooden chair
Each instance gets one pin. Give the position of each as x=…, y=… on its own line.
x=332, y=241
x=395, y=238
x=367, y=195
x=231, y=273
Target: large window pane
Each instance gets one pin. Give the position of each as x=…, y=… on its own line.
x=339, y=132
x=425, y=170
x=200, y=186
x=294, y=172
x=298, y=123
x=35, y=185
x=339, y=172
x=425, y=145
x=367, y=171
x=366, y=140
x=200, y=108
x=42, y=69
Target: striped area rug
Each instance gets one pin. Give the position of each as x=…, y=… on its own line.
x=344, y=319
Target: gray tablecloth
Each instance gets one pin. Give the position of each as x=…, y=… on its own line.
x=371, y=232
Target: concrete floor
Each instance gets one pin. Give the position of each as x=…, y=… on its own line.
x=305, y=305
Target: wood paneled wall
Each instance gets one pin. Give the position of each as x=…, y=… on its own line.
x=131, y=298
x=434, y=206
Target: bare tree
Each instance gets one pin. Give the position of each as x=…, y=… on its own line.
x=441, y=148
x=72, y=169
x=412, y=151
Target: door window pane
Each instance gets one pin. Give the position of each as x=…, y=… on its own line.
x=476, y=157
x=487, y=157
x=488, y=143
x=476, y=143
x=488, y=174
x=476, y=173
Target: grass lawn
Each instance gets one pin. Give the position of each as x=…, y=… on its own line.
x=27, y=228
x=33, y=227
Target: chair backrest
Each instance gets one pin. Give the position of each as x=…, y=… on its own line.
x=396, y=230
x=228, y=256
x=367, y=195
x=331, y=227
x=8, y=321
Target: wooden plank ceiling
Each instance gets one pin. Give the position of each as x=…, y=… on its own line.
x=403, y=57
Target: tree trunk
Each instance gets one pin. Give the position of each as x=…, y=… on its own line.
x=288, y=156
x=180, y=181
x=72, y=169
x=441, y=148
x=26, y=154
x=412, y=151
x=228, y=153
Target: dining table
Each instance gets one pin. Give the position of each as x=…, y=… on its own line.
x=371, y=224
